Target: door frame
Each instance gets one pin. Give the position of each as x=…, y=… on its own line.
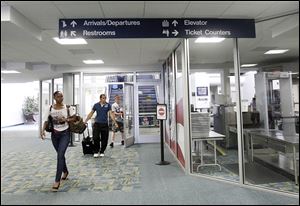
x=131, y=140
x=160, y=99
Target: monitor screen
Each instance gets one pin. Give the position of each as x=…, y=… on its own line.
x=202, y=91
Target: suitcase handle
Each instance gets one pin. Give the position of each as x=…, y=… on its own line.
x=87, y=128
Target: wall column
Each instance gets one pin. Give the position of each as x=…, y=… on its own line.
x=68, y=88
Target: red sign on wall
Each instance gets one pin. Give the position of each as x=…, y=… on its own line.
x=161, y=111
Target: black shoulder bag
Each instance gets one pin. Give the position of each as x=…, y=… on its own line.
x=49, y=123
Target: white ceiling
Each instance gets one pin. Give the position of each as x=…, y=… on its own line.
x=43, y=58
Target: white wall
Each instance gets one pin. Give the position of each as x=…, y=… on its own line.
x=210, y=79
x=248, y=88
x=12, y=99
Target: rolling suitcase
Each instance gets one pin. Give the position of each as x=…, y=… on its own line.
x=87, y=144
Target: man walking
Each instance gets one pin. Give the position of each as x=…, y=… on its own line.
x=100, y=126
x=118, y=113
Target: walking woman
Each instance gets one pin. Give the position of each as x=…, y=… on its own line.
x=60, y=136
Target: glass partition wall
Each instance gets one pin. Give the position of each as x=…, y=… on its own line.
x=178, y=137
x=237, y=88
x=270, y=98
x=46, y=91
x=214, y=147
x=268, y=102
x=58, y=84
x=174, y=92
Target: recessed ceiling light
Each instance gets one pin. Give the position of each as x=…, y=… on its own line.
x=209, y=40
x=10, y=72
x=70, y=41
x=277, y=51
x=248, y=65
x=97, y=61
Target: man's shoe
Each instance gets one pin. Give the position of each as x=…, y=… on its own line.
x=101, y=154
x=122, y=142
x=111, y=145
x=96, y=155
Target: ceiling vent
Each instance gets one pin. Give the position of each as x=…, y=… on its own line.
x=81, y=51
x=272, y=68
x=263, y=49
x=38, y=63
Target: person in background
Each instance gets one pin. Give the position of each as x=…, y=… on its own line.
x=254, y=113
x=100, y=126
x=60, y=136
x=118, y=112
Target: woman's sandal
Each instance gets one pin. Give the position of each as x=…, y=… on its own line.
x=65, y=177
x=55, y=189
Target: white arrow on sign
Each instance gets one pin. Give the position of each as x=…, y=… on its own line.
x=73, y=33
x=174, y=22
x=73, y=23
x=175, y=32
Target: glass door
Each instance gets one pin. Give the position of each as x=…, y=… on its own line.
x=148, y=125
x=93, y=86
x=46, y=101
x=213, y=116
x=128, y=105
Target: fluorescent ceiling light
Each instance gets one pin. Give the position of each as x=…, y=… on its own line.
x=70, y=41
x=10, y=72
x=248, y=65
x=251, y=72
x=277, y=51
x=97, y=61
x=209, y=40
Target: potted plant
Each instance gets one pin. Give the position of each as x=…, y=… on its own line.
x=30, y=108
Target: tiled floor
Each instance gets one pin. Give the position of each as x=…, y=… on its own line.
x=123, y=176
x=118, y=170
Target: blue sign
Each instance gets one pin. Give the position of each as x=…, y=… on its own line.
x=156, y=28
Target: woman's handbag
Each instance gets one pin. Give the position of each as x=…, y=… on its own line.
x=77, y=126
x=49, y=127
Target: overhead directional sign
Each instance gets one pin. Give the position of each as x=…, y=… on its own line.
x=156, y=28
